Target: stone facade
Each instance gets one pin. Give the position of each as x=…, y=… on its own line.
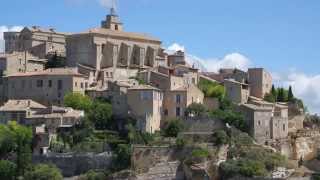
x=236, y=92
x=38, y=41
x=46, y=87
x=177, y=100
x=17, y=62
x=111, y=50
x=145, y=104
x=266, y=121
x=260, y=82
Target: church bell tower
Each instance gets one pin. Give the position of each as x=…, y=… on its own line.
x=112, y=21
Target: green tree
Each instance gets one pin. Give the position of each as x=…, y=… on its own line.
x=220, y=137
x=270, y=98
x=122, y=159
x=196, y=109
x=7, y=170
x=211, y=89
x=43, y=172
x=274, y=92
x=23, y=143
x=101, y=115
x=93, y=175
x=173, y=128
x=78, y=101
x=281, y=95
x=55, y=61
x=290, y=95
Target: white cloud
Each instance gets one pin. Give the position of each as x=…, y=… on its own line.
x=304, y=86
x=6, y=29
x=232, y=60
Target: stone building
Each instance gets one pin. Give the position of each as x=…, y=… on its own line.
x=18, y=110
x=177, y=100
x=266, y=121
x=178, y=58
x=36, y=40
x=260, y=82
x=236, y=74
x=111, y=53
x=146, y=105
x=45, y=121
x=236, y=92
x=18, y=62
x=46, y=87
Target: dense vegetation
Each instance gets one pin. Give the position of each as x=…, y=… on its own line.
x=247, y=159
x=283, y=95
x=211, y=89
x=55, y=61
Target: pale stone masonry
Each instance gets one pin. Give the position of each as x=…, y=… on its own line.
x=260, y=82
x=36, y=40
x=236, y=92
x=18, y=62
x=146, y=105
x=46, y=87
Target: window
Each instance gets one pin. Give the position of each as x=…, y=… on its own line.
x=259, y=123
x=81, y=85
x=50, y=83
x=86, y=85
x=111, y=74
x=60, y=84
x=178, y=98
x=116, y=27
x=166, y=112
x=284, y=127
x=39, y=83
x=76, y=84
x=59, y=95
x=107, y=74
x=178, y=111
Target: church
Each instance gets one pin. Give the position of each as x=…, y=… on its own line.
x=109, y=53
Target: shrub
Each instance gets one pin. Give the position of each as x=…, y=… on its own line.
x=78, y=101
x=196, y=109
x=220, y=137
x=7, y=170
x=93, y=175
x=43, y=172
x=211, y=89
x=200, y=153
x=173, y=128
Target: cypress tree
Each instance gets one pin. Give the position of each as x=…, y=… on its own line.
x=290, y=94
x=274, y=92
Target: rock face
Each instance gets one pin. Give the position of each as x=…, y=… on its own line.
x=72, y=164
x=304, y=144
x=163, y=171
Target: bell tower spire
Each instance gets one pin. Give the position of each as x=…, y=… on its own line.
x=112, y=21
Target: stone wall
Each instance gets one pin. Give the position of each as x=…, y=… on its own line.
x=72, y=164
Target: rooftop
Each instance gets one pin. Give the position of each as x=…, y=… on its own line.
x=21, y=105
x=49, y=72
x=122, y=34
x=144, y=87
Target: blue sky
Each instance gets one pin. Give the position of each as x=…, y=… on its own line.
x=280, y=35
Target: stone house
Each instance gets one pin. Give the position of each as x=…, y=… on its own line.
x=260, y=82
x=146, y=105
x=46, y=87
x=177, y=100
x=266, y=121
x=17, y=62
x=45, y=121
x=178, y=58
x=36, y=40
x=18, y=110
x=236, y=92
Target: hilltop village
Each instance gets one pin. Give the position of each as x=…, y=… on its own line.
x=154, y=115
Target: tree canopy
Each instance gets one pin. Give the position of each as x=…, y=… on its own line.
x=78, y=101
x=43, y=172
x=211, y=89
x=7, y=170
